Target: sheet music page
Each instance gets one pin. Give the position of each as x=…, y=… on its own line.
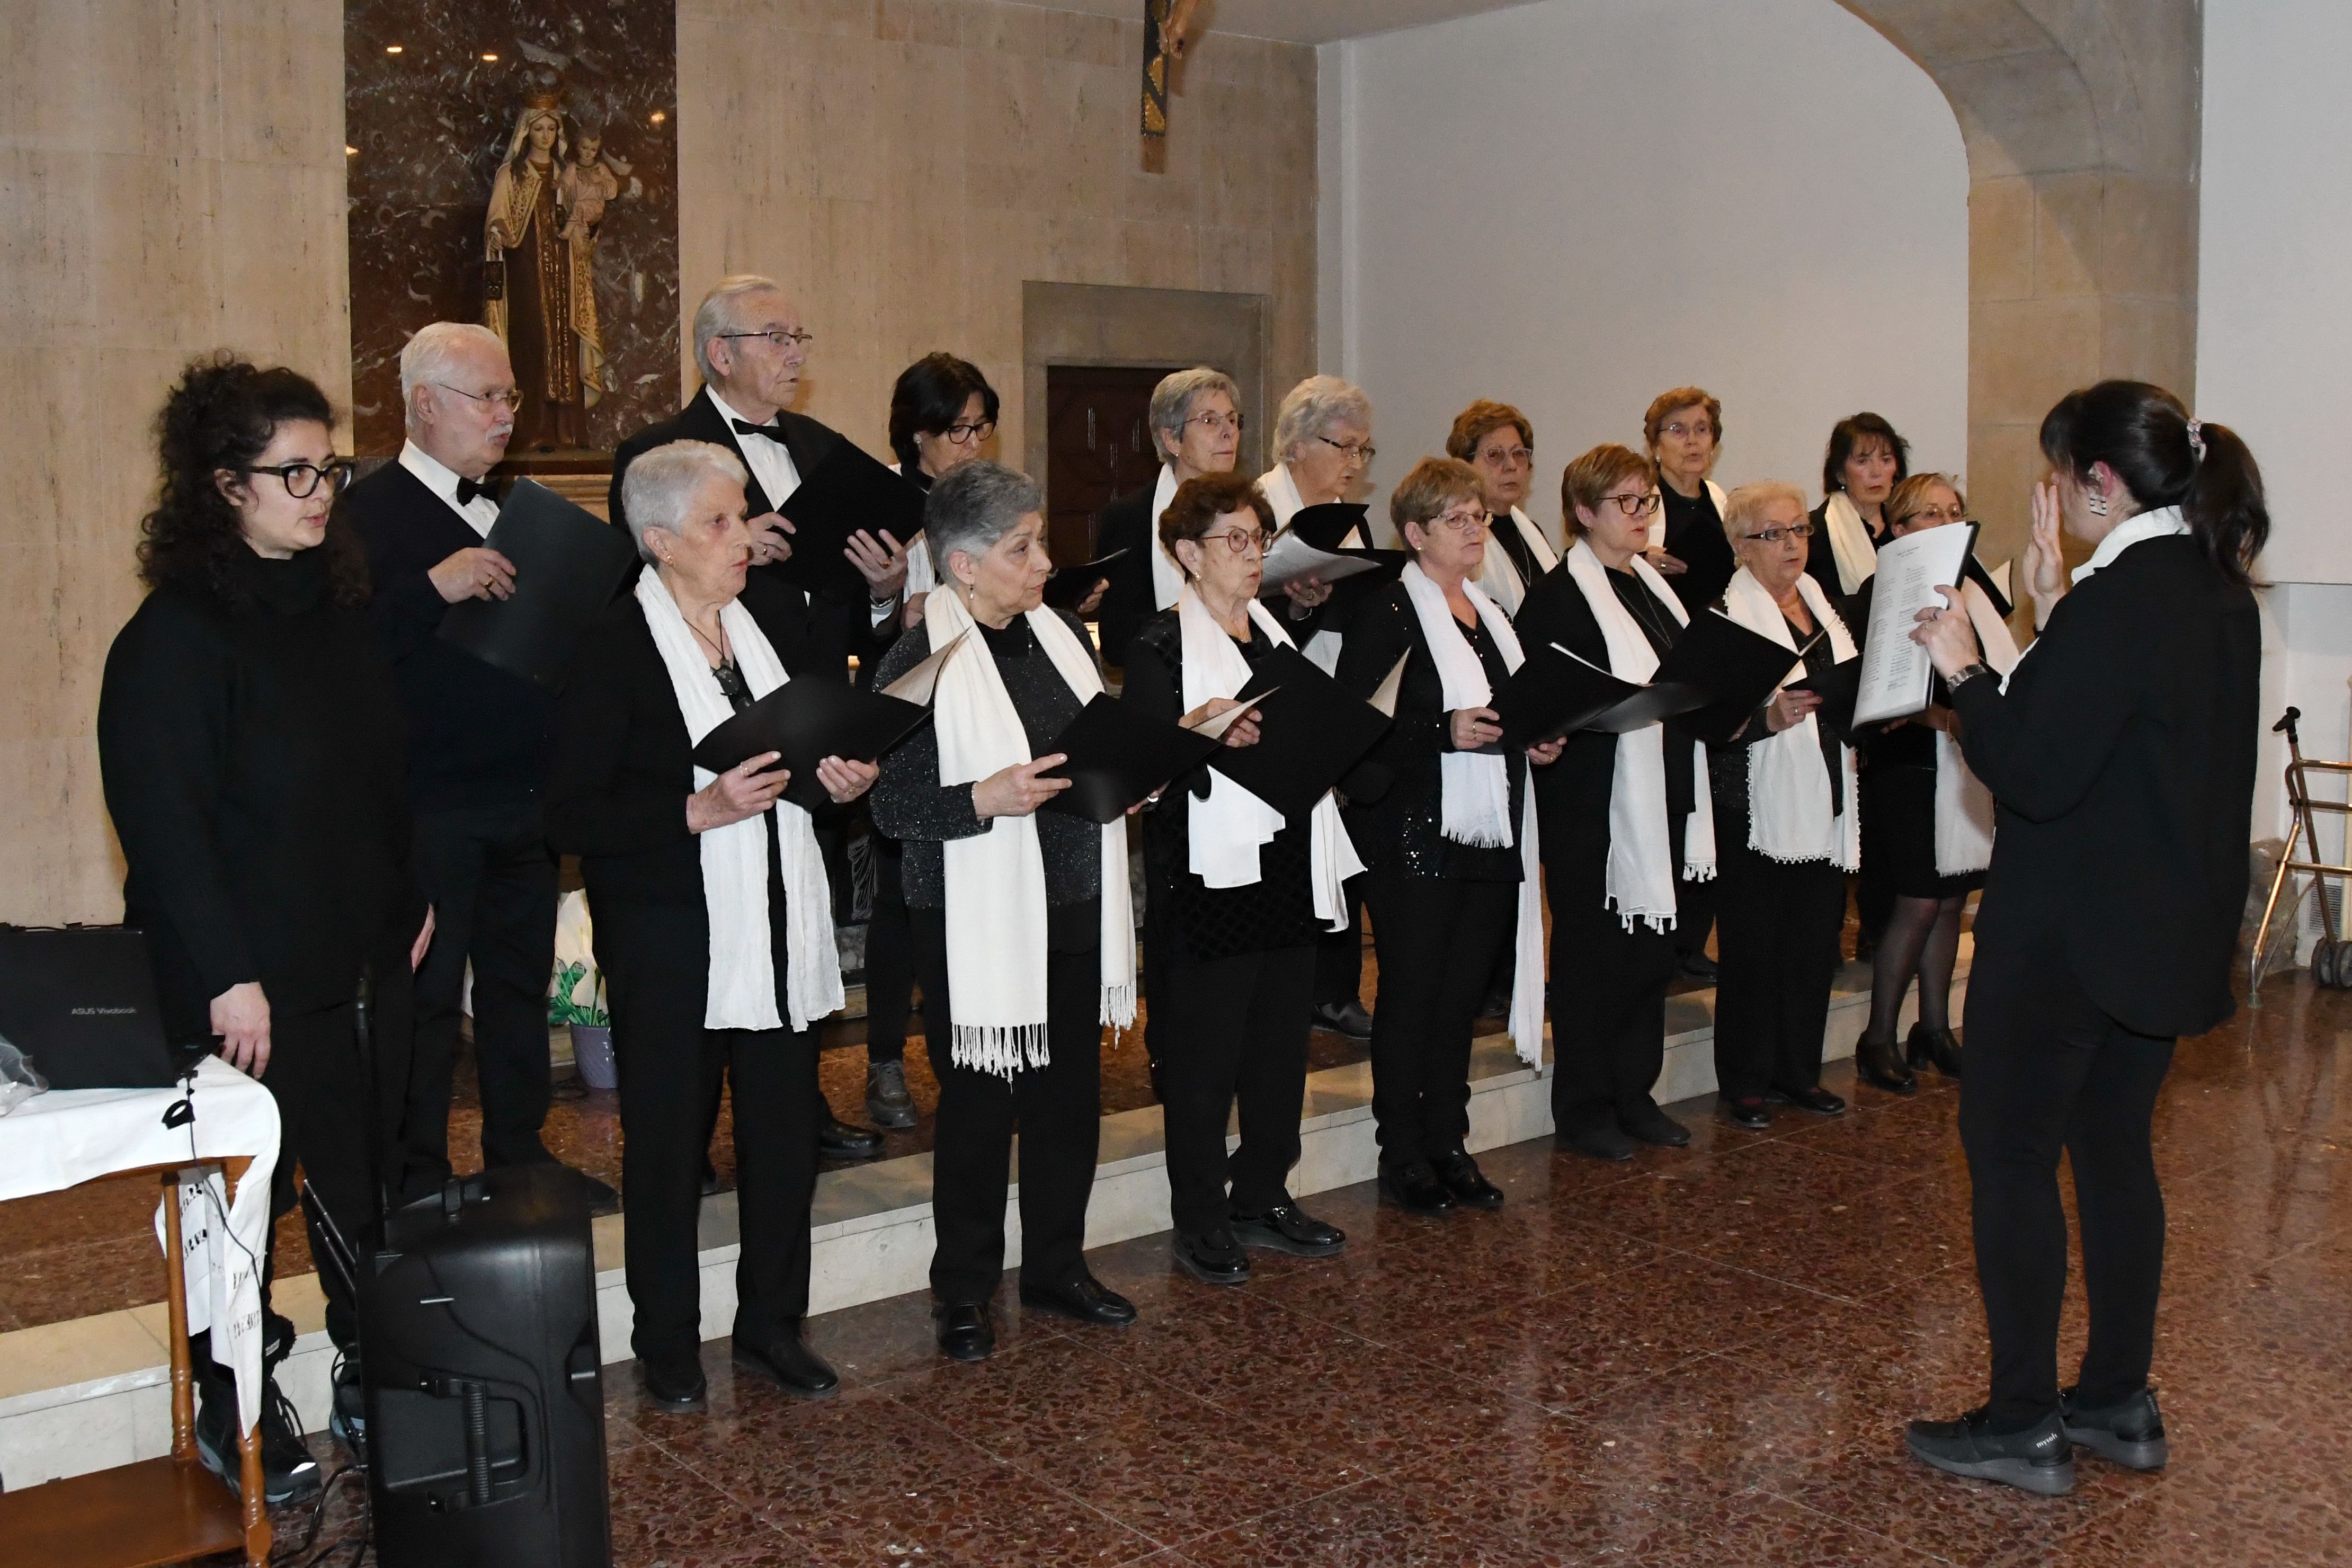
x=1289, y=558
x=1894, y=670
x=915, y=686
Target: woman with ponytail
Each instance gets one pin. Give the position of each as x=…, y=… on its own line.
x=2120, y=753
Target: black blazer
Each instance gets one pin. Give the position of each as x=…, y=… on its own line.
x=623, y=765
x=1126, y=525
x=840, y=630
x=478, y=735
x=2123, y=761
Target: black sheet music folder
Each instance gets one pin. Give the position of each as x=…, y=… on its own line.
x=1118, y=756
x=567, y=564
x=849, y=492
x=1311, y=731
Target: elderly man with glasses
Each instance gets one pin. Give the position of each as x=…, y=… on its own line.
x=479, y=742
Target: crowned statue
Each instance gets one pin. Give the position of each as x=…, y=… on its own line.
x=539, y=252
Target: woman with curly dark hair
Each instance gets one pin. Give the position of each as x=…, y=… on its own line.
x=250, y=741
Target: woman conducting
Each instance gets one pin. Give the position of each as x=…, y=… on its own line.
x=1024, y=941
x=1927, y=830
x=1196, y=425
x=1788, y=829
x=1618, y=813
x=1865, y=460
x=252, y=747
x=1451, y=845
x=1241, y=891
x=714, y=922
x=2122, y=755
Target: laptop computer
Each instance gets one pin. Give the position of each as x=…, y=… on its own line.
x=80, y=1001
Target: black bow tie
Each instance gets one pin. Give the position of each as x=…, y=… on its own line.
x=469, y=489
x=772, y=432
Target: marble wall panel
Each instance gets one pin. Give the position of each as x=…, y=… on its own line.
x=427, y=127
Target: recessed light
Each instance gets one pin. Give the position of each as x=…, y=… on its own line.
x=392, y=48
x=350, y=151
x=660, y=117
x=491, y=58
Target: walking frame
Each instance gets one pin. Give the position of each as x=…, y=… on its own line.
x=2331, y=961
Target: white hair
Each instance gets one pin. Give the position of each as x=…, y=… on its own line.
x=715, y=314
x=1173, y=399
x=1745, y=506
x=431, y=353
x=1312, y=406
x=658, y=487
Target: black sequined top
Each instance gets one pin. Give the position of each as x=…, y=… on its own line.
x=1399, y=833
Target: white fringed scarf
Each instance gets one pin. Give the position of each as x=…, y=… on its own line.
x=1167, y=576
x=1850, y=543
x=996, y=911
x=1227, y=829
x=1788, y=816
x=1281, y=492
x=1639, y=883
x=1500, y=574
x=1475, y=789
x=742, y=978
x=1964, y=807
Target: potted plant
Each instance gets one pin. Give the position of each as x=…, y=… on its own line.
x=576, y=999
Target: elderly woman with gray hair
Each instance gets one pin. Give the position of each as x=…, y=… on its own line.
x=714, y=919
x=1024, y=942
x=1196, y=428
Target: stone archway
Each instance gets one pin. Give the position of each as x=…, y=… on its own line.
x=2083, y=121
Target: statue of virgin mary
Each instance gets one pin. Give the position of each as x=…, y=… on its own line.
x=539, y=295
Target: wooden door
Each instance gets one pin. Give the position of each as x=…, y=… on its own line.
x=1098, y=447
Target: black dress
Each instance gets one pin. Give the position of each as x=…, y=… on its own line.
x=1898, y=798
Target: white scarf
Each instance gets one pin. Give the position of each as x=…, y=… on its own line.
x=1850, y=542
x=1475, y=789
x=996, y=880
x=1167, y=576
x=1500, y=575
x=1964, y=808
x=742, y=979
x=1639, y=883
x=1281, y=492
x=1658, y=518
x=1228, y=828
x=1788, y=814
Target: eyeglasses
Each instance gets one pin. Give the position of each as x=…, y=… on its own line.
x=511, y=399
x=1233, y=421
x=301, y=480
x=1697, y=430
x=1636, y=506
x=776, y=338
x=969, y=435
x=1934, y=516
x=1462, y=521
x=1240, y=541
x=1797, y=530
x=1507, y=457
x=1353, y=452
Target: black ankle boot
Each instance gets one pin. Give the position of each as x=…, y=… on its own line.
x=1933, y=1048
x=1881, y=1065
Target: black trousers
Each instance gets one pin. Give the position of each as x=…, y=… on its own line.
x=2047, y=1070
x=890, y=958
x=1340, y=954
x=1436, y=939
x=1231, y=1029
x=1608, y=1000
x=1694, y=906
x=656, y=960
x=1057, y=1108
x=492, y=881
x=1776, y=951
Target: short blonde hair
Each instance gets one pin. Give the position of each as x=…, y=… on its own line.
x=1746, y=505
x=1312, y=406
x=1434, y=485
x=1910, y=497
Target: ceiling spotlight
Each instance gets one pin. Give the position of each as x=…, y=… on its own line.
x=392, y=48
x=350, y=150
x=493, y=59
x=660, y=117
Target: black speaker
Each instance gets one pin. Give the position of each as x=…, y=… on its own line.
x=484, y=1399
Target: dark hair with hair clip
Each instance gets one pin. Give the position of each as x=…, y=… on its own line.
x=1851, y=432
x=930, y=396
x=2142, y=434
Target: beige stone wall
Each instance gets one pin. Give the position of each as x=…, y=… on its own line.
x=905, y=165
x=171, y=177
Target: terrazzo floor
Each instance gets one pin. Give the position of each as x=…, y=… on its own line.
x=1704, y=1357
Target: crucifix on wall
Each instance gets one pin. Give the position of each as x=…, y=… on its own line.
x=1167, y=34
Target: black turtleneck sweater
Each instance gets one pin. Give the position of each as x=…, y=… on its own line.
x=254, y=755
x=1694, y=537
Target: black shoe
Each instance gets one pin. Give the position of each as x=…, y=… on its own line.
x=1933, y=1048
x=837, y=1140
x=347, y=1408
x=1881, y=1065
x=1287, y=1227
x=2130, y=1434
x=1494, y=1004
x=1415, y=1189
x=964, y=1332
x=1461, y=1176
x=1697, y=965
x=288, y=1473
x=1655, y=1127
x=602, y=1198
x=1817, y=1100
x=709, y=1178
x=887, y=1099
x=680, y=1390
x=789, y=1364
x=1749, y=1112
x=1603, y=1143
x=1346, y=1018
x=2039, y=1460
x=1085, y=1298
x=1211, y=1256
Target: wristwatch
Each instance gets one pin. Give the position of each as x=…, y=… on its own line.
x=1967, y=673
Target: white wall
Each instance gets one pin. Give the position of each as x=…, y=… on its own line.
x=1575, y=204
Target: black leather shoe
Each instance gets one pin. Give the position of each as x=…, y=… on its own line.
x=709, y=1178
x=1817, y=1100
x=1697, y=966
x=678, y=1390
x=2130, y=1434
x=1346, y=1018
x=888, y=1103
x=1605, y=1143
x=1880, y=1063
x=1287, y=1227
x=1086, y=1297
x=837, y=1140
x=602, y=1198
x=2039, y=1461
x=1655, y=1127
x=1211, y=1256
x=790, y=1365
x=1749, y=1112
x=1933, y=1048
x=1415, y=1189
x=1469, y=1185
x=964, y=1332
x=1494, y=1004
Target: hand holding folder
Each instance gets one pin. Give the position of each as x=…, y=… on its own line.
x=1117, y=757
x=1068, y=588
x=567, y=564
x=812, y=718
x=1311, y=731
x=848, y=494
